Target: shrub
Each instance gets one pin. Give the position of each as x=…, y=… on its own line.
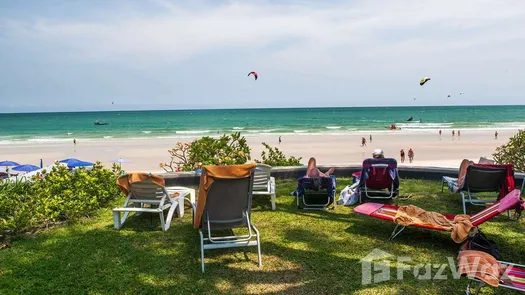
x=512, y=152
x=226, y=150
x=61, y=195
x=274, y=157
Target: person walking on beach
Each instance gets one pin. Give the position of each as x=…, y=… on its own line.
x=370, y=138
x=74, y=141
x=459, y=133
x=496, y=135
x=279, y=139
x=363, y=141
x=439, y=132
x=402, y=154
x=410, y=155
x=453, y=133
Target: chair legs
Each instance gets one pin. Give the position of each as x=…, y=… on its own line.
x=202, y=250
x=231, y=243
x=396, y=232
x=464, y=202
x=259, y=258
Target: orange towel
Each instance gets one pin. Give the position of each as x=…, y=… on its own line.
x=124, y=182
x=409, y=215
x=209, y=173
x=480, y=265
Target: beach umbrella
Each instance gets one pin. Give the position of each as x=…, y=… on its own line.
x=75, y=163
x=120, y=161
x=26, y=168
x=7, y=164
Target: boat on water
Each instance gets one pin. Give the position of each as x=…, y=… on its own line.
x=98, y=122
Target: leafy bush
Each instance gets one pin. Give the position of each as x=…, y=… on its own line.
x=512, y=152
x=274, y=157
x=226, y=150
x=60, y=195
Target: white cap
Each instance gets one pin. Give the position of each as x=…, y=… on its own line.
x=377, y=152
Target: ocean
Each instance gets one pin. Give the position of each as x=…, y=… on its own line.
x=45, y=127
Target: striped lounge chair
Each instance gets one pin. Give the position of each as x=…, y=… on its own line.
x=388, y=212
x=512, y=278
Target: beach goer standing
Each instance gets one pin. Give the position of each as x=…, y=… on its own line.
x=279, y=139
x=410, y=155
x=74, y=141
x=370, y=138
x=439, y=132
x=363, y=141
x=402, y=154
x=459, y=133
x=496, y=135
x=453, y=133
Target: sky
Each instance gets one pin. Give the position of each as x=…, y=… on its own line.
x=74, y=55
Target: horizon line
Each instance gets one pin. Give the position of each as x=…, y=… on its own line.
x=254, y=108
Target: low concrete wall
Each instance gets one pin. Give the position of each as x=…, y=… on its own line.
x=294, y=172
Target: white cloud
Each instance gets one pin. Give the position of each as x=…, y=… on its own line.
x=319, y=35
x=327, y=43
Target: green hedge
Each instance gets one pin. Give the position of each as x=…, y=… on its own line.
x=62, y=195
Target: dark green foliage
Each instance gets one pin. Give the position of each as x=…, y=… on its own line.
x=226, y=150
x=512, y=152
x=59, y=196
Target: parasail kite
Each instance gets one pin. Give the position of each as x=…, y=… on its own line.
x=254, y=75
x=424, y=80
x=448, y=95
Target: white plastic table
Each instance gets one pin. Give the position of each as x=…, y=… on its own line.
x=183, y=192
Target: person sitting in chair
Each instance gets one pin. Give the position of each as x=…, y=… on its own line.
x=378, y=153
x=312, y=171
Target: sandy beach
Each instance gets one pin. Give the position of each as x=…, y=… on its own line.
x=329, y=149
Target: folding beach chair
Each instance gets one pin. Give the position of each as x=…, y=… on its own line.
x=145, y=189
x=388, y=212
x=481, y=179
x=263, y=183
x=483, y=268
x=378, y=179
x=512, y=277
x=315, y=193
x=225, y=200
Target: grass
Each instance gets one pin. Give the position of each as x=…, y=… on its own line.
x=303, y=253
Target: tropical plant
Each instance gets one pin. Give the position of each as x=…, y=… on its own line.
x=59, y=196
x=274, y=157
x=226, y=150
x=512, y=152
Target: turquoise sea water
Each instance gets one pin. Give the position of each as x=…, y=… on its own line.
x=35, y=127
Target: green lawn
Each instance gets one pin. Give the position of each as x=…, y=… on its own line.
x=303, y=253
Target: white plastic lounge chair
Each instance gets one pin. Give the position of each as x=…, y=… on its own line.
x=263, y=183
x=147, y=192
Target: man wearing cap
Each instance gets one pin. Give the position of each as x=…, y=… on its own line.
x=378, y=153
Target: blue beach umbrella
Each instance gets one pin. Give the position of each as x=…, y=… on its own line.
x=8, y=163
x=26, y=168
x=76, y=163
